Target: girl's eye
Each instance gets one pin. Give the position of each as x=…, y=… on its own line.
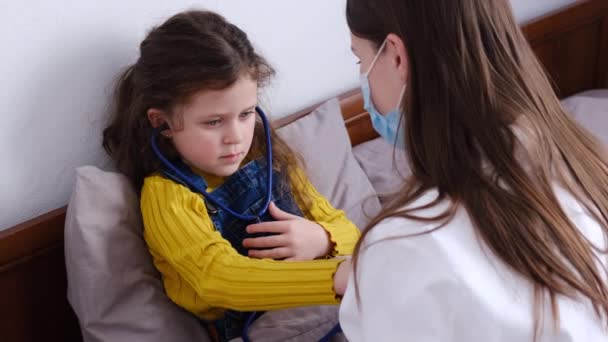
x=246, y=114
x=358, y=62
x=213, y=123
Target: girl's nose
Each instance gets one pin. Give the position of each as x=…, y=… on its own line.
x=233, y=134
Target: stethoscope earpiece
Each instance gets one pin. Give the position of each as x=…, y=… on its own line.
x=162, y=130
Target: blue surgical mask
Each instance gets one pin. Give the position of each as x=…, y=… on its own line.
x=388, y=126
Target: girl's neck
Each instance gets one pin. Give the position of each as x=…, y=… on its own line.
x=213, y=181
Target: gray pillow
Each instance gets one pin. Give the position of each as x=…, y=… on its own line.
x=590, y=109
x=303, y=324
x=322, y=140
x=113, y=286
x=385, y=166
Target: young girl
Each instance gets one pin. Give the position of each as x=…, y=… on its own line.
x=500, y=233
x=217, y=208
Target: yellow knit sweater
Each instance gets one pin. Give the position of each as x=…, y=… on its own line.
x=205, y=275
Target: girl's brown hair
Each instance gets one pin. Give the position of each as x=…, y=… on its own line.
x=190, y=52
x=473, y=77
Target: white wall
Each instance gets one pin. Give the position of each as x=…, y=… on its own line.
x=59, y=59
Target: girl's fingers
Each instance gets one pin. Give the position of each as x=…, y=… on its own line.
x=275, y=253
x=272, y=241
x=267, y=227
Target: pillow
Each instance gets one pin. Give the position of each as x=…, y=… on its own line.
x=322, y=141
x=590, y=109
x=113, y=286
x=301, y=324
x=385, y=166
x=595, y=93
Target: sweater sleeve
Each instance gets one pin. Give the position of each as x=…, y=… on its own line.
x=342, y=232
x=202, y=271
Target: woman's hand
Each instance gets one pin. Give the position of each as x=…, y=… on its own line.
x=341, y=276
x=297, y=238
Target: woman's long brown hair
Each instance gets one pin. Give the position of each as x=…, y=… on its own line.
x=473, y=77
x=190, y=52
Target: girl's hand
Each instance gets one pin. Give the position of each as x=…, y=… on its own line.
x=341, y=276
x=297, y=238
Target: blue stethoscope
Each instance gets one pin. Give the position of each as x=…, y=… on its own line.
x=187, y=181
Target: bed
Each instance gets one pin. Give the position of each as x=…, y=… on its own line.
x=572, y=44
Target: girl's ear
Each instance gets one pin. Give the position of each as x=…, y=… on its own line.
x=400, y=56
x=157, y=118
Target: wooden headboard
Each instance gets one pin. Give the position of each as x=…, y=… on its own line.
x=572, y=44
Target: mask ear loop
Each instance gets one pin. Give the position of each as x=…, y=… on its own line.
x=401, y=116
x=401, y=94
x=376, y=57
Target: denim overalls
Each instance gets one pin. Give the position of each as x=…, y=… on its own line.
x=244, y=192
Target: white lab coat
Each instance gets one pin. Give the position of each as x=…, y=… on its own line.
x=448, y=286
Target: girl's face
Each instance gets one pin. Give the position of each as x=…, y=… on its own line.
x=217, y=127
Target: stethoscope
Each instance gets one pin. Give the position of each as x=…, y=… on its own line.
x=208, y=197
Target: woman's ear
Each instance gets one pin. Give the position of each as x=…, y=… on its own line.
x=400, y=56
x=157, y=118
